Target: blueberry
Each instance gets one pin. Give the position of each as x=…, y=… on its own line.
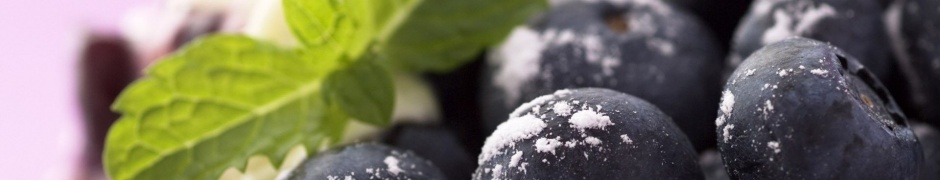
x=914, y=26
x=803, y=109
x=458, y=93
x=588, y=133
x=856, y=26
x=645, y=48
x=366, y=161
x=714, y=169
x=721, y=17
x=436, y=143
x=929, y=139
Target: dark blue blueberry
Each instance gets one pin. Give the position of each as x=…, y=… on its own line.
x=929, y=139
x=856, y=26
x=458, y=94
x=915, y=30
x=714, y=169
x=720, y=16
x=366, y=161
x=588, y=133
x=438, y=144
x=803, y=109
x=646, y=48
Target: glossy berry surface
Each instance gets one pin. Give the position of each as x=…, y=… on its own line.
x=587, y=133
x=714, y=169
x=915, y=30
x=366, y=161
x=645, y=48
x=803, y=109
x=435, y=143
x=856, y=26
x=929, y=138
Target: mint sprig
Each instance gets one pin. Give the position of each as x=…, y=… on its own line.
x=224, y=98
x=213, y=104
x=416, y=35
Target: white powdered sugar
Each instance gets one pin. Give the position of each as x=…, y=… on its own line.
x=768, y=106
x=662, y=46
x=518, y=58
x=812, y=16
x=562, y=108
x=784, y=22
x=720, y=120
x=538, y=101
x=643, y=24
x=510, y=132
x=626, y=139
x=547, y=145
x=529, y=105
x=497, y=171
x=727, y=132
x=780, y=30
x=726, y=106
x=762, y=7
x=774, y=145
x=572, y=143
x=782, y=73
x=750, y=72
x=727, y=102
x=767, y=109
x=820, y=72
x=392, y=164
x=514, y=160
x=588, y=118
x=563, y=92
x=592, y=140
x=597, y=53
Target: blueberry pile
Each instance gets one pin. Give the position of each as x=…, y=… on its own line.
x=661, y=89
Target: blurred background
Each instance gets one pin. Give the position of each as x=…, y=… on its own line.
x=41, y=43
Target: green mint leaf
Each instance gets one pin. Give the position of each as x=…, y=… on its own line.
x=216, y=102
x=421, y=35
x=339, y=25
x=439, y=35
x=364, y=90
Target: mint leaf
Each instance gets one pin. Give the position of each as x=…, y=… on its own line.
x=338, y=25
x=439, y=35
x=422, y=35
x=216, y=102
x=364, y=91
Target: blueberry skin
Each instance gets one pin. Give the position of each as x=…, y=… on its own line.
x=929, y=139
x=856, y=26
x=659, y=53
x=917, y=46
x=714, y=169
x=721, y=17
x=802, y=109
x=366, y=161
x=458, y=94
x=435, y=143
x=640, y=142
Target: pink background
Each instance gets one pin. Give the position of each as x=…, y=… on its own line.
x=40, y=129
